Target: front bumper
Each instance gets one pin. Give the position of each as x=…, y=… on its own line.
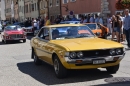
x=88, y=62
x=15, y=39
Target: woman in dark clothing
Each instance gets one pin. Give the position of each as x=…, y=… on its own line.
x=116, y=27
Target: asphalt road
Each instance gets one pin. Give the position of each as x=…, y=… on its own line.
x=17, y=69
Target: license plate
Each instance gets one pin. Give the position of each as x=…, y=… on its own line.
x=99, y=61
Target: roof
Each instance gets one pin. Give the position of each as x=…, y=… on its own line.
x=63, y=25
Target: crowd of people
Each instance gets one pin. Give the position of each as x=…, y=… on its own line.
x=119, y=25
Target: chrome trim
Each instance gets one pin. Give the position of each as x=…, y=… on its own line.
x=108, y=58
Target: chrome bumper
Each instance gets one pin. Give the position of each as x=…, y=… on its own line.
x=90, y=59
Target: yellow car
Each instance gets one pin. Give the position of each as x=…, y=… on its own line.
x=74, y=46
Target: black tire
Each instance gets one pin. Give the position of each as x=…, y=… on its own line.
x=2, y=41
x=37, y=61
x=6, y=41
x=113, y=69
x=60, y=70
x=24, y=40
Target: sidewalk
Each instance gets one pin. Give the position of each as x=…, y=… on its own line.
x=124, y=43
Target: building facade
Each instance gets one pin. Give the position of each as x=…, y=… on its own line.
x=85, y=7
x=80, y=7
x=54, y=8
x=34, y=9
x=43, y=8
x=21, y=10
x=16, y=10
x=27, y=5
x=12, y=9
x=3, y=10
x=8, y=9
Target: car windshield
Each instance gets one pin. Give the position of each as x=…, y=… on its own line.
x=68, y=32
x=92, y=26
x=8, y=28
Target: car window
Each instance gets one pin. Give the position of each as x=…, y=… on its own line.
x=68, y=32
x=92, y=26
x=15, y=27
x=44, y=33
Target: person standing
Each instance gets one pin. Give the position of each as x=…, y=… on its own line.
x=127, y=27
x=109, y=24
x=116, y=26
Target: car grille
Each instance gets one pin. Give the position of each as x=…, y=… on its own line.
x=98, y=53
x=16, y=36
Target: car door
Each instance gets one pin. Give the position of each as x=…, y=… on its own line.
x=43, y=44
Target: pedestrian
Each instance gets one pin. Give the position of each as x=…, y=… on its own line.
x=109, y=24
x=48, y=22
x=116, y=27
x=127, y=27
x=96, y=18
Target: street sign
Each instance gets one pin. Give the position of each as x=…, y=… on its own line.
x=71, y=12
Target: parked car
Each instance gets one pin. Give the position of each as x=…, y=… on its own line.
x=75, y=47
x=13, y=32
x=28, y=30
x=98, y=29
x=20, y=24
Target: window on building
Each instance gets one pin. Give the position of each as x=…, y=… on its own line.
x=32, y=7
x=57, y=2
x=26, y=8
x=50, y=3
x=35, y=6
x=72, y=0
x=65, y=1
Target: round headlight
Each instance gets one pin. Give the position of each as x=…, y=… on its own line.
x=79, y=54
x=112, y=52
x=72, y=55
x=118, y=51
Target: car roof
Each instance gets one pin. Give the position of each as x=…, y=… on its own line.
x=63, y=25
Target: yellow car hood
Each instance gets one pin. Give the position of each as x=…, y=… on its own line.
x=86, y=44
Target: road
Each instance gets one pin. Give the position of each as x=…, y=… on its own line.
x=17, y=69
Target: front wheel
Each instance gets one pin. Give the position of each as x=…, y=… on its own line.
x=113, y=69
x=37, y=61
x=24, y=40
x=60, y=70
x=6, y=41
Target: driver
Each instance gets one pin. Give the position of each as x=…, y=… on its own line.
x=55, y=34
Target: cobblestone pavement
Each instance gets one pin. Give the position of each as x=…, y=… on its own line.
x=17, y=69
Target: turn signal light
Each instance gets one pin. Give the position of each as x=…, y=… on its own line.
x=116, y=58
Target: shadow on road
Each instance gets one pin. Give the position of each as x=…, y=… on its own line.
x=11, y=42
x=125, y=83
x=29, y=37
x=45, y=74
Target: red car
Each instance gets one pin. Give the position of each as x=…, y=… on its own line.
x=13, y=32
